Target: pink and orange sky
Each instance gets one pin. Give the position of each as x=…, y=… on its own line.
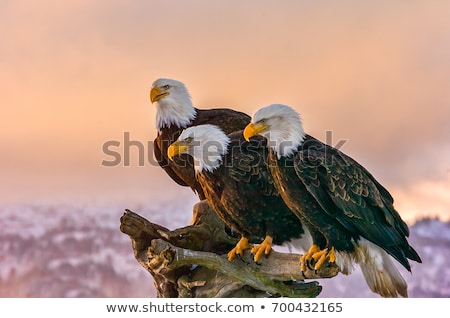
x=77, y=74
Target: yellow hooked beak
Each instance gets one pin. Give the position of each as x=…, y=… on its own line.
x=253, y=130
x=156, y=94
x=176, y=148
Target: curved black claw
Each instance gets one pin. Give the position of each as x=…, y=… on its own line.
x=308, y=264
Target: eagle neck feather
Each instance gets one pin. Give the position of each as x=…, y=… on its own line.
x=286, y=140
x=209, y=148
x=173, y=112
x=209, y=157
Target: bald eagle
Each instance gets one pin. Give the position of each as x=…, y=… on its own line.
x=175, y=112
x=236, y=181
x=348, y=213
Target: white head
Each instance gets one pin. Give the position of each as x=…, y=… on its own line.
x=207, y=144
x=173, y=103
x=281, y=125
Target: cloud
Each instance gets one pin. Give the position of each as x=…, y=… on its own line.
x=77, y=74
x=424, y=199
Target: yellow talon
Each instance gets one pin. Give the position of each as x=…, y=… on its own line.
x=239, y=249
x=307, y=256
x=317, y=257
x=265, y=247
x=332, y=256
x=322, y=256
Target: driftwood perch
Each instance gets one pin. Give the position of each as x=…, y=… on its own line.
x=192, y=261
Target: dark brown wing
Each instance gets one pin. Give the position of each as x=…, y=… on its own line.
x=247, y=164
x=347, y=192
x=243, y=193
x=228, y=120
x=164, y=163
x=181, y=169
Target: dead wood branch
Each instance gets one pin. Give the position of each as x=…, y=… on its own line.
x=192, y=261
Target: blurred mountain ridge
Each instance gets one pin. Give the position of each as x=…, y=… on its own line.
x=66, y=250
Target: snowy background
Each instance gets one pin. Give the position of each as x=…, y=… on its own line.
x=78, y=251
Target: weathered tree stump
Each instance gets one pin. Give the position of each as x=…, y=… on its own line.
x=192, y=261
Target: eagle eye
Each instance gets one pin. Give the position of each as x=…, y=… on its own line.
x=166, y=87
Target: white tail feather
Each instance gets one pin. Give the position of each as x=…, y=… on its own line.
x=378, y=268
x=386, y=279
